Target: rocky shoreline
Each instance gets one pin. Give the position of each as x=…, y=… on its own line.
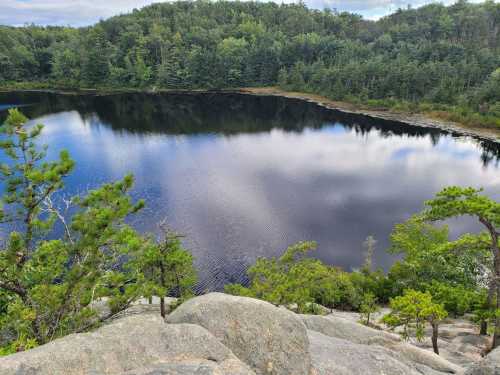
x=419, y=120
x=220, y=334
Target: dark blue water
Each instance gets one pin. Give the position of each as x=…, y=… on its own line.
x=243, y=176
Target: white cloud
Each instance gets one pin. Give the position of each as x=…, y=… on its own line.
x=85, y=12
x=64, y=12
x=373, y=9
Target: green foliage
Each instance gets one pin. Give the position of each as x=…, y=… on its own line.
x=457, y=300
x=49, y=286
x=20, y=344
x=368, y=307
x=375, y=282
x=452, y=271
x=30, y=179
x=167, y=269
x=338, y=290
x=286, y=280
x=456, y=201
x=412, y=311
x=296, y=279
x=478, y=252
x=239, y=290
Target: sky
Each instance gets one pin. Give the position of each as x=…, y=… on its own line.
x=85, y=12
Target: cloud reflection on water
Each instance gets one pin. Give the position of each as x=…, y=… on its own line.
x=242, y=195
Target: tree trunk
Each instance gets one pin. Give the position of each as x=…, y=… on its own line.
x=37, y=331
x=162, y=307
x=489, y=305
x=150, y=300
x=484, y=328
x=435, y=334
x=495, y=251
x=496, y=334
x=163, y=284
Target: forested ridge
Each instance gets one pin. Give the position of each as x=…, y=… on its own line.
x=434, y=58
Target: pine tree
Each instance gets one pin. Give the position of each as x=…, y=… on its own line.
x=50, y=286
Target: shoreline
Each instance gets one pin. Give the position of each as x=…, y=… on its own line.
x=411, y=119
x=417, y=119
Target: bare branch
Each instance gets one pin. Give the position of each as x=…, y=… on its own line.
x=49, y=207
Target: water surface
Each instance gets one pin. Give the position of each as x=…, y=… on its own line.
x=244, y=176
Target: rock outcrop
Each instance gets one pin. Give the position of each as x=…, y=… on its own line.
x=130, y=345
x=459, y=342
x=489, y=365
x=345, y=329
x=219, y=334
x=340, y=357
x=269, y=339
x=348, y=330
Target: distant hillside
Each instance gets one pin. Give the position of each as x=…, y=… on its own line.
x=436, y=54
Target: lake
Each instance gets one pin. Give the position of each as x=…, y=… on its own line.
x=245, y=176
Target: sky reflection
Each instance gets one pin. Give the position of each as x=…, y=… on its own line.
x=240, y=195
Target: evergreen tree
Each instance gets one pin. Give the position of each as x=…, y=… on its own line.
x=455, y=201
x=168, y=269
x=412, y=311
x=50, y=286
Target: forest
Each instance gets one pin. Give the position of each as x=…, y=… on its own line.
x=437, y=59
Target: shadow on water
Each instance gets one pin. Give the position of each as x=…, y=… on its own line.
x=220, y=113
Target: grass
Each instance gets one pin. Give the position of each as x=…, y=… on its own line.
x=454, y=113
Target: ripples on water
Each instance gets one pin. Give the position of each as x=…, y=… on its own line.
x=245, y=176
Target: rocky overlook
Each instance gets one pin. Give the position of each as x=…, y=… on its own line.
x=226, y=335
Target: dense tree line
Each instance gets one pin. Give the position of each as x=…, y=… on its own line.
x=436, y=54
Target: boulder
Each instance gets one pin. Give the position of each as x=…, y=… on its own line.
x=489, y=365
x=269, y=339
x=229, y=367
x=345, y=329
x=356, y=333
x=424, y=357
x=129, y=345
x=331, y=355
x=459, y=340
